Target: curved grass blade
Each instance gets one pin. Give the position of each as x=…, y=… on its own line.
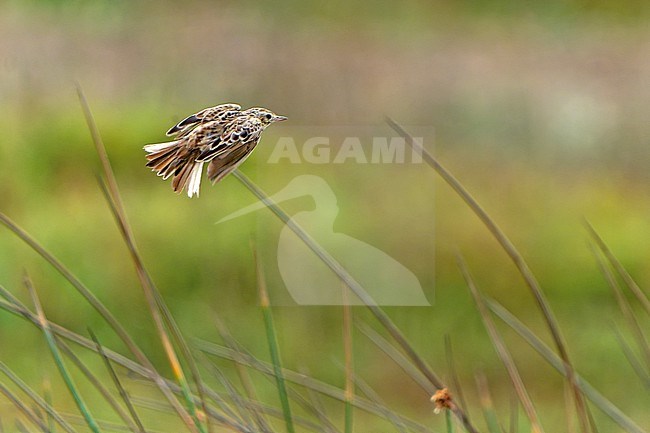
x=620, y=270
x=308, y=405
x=40, y=402
x=16, y=307
x=599, y=400
x=626, y=310
x=108, y=426
x=305, y=381
x=631, y=358
x=47, y=398
x=356, y=288
x=232, y=344
x=157, y=307
x=490, y=415
x=22, y=407
x=517, y=259
x=94, y=380
x=49, y=336
x=20, y=310
x=320, y=412
x=154, y=303
x=503, y=353
x=246, y=413
x=251, y=395
x=224, y=353
x=136, y=423
x=457, y=390
x=99, y=307
x=244, y=377
x=268, y=410
x=375, y=398
x=398, y=358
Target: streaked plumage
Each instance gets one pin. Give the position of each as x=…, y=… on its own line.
x=222, y=136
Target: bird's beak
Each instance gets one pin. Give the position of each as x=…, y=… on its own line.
x=279, y=118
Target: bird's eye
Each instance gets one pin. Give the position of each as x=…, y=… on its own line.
x=268, y=116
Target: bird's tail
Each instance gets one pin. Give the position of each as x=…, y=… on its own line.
x=189, y=175
x=168, y=159
x=162, y=158
x=152, y=148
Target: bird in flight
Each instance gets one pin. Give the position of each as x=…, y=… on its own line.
x=223, y=136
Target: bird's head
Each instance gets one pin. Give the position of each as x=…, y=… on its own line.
x=266, y=116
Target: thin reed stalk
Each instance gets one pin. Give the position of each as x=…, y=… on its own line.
x=517, y=259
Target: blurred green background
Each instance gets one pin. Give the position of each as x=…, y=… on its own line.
x=540, y=109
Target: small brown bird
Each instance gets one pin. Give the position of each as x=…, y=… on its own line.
x=223, y=135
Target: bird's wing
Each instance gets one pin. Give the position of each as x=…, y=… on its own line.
x=221, y=112
x=239, y=133
x=220, y=167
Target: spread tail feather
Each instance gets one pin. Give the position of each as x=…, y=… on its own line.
x=163, y=161
x=194, y=182
x=189, y=176
x=156, y=147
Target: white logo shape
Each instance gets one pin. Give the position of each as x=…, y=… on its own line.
x=309, y=280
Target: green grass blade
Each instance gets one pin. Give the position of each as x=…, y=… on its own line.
x=49, y=336
x=490, y=415
x=42, y=403
x=348, y=416
x=375, y=398
x=144, y=371
x=242, y=372
x=97, y=383
x=457, y=389
x=503, y=353
x=599, y=400
x=273, y=347
x=20, y=427
x=318, y=409
x=47, y=399
x=357, y=289
x=517, y=259
x=371, y=407
x=308, y=382
x=632, y=359
x=247, y=414
x=246, y=382
x=241, y=416
x=626, y=310
x=514, y=414
x=449, y=422
x=620, y=269
x=349, y=363
x=157, y=308
x=154, y=303
x=23, y=408
x=398, y=358
x=270, y=411
x=136, y=424
x=97, y=305
x=275, y=356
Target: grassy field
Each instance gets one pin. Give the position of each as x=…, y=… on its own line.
x=541, y=114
